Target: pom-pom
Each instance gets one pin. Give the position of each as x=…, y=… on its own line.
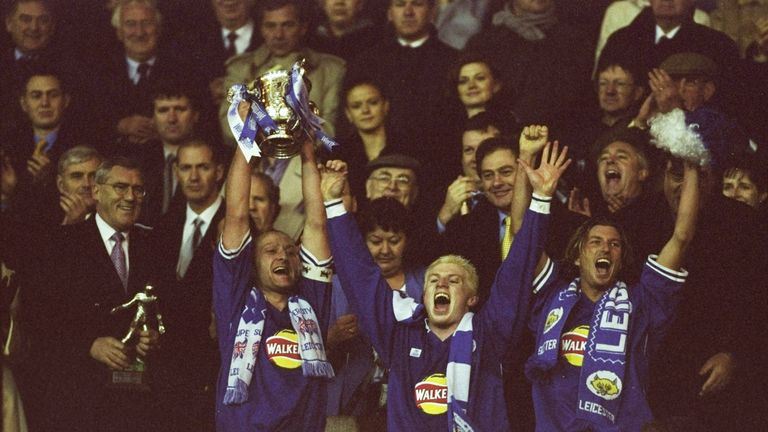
x=671, y=132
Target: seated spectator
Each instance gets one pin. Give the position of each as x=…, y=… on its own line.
x=283, y=25
x=666, y=28
x=464, y=193
x=175, y=120
x=542, y=62
x=263, y=203
x=477, y=82
x=621, y=13
x=36, y=145
x=75, y=180
x=367, y=110
x=184, y=244
x=129, y=76
x=745, y=180
x=360, y=378
x=410, y=64
x=344, y=31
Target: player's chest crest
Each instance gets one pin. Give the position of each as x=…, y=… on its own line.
x=283, y=349
x=431, y=394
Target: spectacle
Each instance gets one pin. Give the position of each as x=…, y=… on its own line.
x=122, y=188
x=385, y=179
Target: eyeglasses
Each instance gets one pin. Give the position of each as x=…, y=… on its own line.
x=122, y=188
x=385, y=179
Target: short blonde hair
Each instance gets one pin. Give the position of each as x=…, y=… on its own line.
x=471, y=281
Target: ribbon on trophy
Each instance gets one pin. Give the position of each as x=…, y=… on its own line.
x=257, y=119
x=298, y=99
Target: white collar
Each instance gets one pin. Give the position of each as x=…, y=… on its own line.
x=670, y=34
x=169, y=149
x=244, y=35
x=412, y=44
x=107, y=231
x=206, y=216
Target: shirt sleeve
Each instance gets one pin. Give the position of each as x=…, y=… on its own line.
x=506, y=310
x=659, y=289
x=231, y=277
x=361, y=279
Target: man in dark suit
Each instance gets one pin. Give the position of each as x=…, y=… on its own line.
x=184, y=240
x=130, y=75
x=102, y=263
x=175, y=116
x=667, y=28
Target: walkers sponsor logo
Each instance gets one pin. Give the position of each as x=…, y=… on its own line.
x=283, y=349
x=604, y=384
x=431, y=394
x=553, y=318
x=572, y=345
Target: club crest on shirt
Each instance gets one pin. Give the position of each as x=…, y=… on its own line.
x=604, y=384
x=431, y=394
x=283, y=349
x=553, y=318
x=572, y=344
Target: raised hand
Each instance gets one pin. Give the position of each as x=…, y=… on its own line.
x=333, y=177
x=533, y=138
x=75, y=208
x=665, y=92
x=458, y=192
x=578, y=204
x=553, y=164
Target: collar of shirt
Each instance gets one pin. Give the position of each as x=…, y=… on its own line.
x=169, y=149
x=670, y=34
x=412, y=44
x=17, y=54
x=50, y=139
x=244, y=35
x=133, y=67
x=106, y=231
x=206, y=216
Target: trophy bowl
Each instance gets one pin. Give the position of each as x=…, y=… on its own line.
x=270, y=90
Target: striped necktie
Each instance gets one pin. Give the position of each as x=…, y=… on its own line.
x=506, y=242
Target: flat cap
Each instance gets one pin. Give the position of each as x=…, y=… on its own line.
x=395, y=160
x=688, y=63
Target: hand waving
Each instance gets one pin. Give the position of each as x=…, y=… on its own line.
x=553, y=165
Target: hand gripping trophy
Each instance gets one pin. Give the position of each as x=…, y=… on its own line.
x=146, y=304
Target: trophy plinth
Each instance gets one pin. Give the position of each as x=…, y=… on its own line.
x=135, y=378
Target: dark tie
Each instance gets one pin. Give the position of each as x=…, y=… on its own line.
x=188, y=249
x=118, y=258
x=168, y=182
x=143, y=74
x=231, y=48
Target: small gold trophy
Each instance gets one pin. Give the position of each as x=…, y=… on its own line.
x=135, y=378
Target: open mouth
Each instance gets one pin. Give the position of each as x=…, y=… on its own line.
x=280, y=270
x=442, y=301
x=603, y=266
x=612, y=174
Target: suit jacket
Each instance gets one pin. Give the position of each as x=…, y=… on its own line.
x=475, y=236
x=121, y=98
x=186, y=303
x=290, y=220
x=324, y=71
x=85, y=287
x=635, y=45
x=151, y=159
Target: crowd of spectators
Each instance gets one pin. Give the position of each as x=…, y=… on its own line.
x=115, y=144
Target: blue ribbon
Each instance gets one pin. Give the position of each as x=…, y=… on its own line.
x=298, y=99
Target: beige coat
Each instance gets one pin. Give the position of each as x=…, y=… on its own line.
x=324, y=71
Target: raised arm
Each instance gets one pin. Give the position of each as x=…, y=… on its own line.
x=315, y=236
x=673, y=253
x=532, y=139
x=238, y=189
